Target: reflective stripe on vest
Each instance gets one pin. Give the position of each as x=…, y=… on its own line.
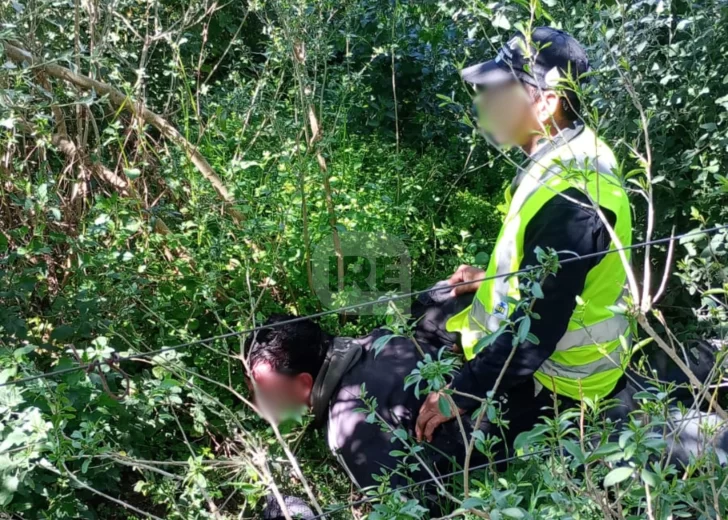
x=587, y=358
x=586, y=380
x=606, y=362
x=601, y=332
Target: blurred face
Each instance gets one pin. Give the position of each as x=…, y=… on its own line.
x=506, y=112
x=280, y=394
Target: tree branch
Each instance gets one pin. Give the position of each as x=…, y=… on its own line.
x=122, y=101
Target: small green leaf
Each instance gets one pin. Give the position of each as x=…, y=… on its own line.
x=524, y=328
x=534, y=436
x=132, y=173
x=491, y=413
x=536, y=290
x=501, y=22
x=649, y=478
x=482, y=258
x=617, y=475
x=472, y=503
x=604, y=449
x=489, y=339
x=10, y=483
x=648, y=396
x=7, y=374
x=18, y=353
x=381, y=342
x=400, y=433
x=444, y=98
x=444, y=406
x=532, y=339
x=574, y=450
x=513, y=512
x=626, y=436
x=244, y=165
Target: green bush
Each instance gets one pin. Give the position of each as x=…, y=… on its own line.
x=122, y=245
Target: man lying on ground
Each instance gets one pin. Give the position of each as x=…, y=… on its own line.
x=299, y=365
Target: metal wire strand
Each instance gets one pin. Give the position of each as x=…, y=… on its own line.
x=355, y=306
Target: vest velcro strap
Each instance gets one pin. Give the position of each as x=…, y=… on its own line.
x=602, y=332
x=608, y=362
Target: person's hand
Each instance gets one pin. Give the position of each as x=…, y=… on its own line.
x=430, y=417
x=466, y=273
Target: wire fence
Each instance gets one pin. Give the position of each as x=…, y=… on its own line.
x=115, y=361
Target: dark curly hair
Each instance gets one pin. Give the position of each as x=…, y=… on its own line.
x=293, y=348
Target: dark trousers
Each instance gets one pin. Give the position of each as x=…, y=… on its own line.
x=520, y=408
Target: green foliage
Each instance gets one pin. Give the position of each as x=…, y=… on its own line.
x=435, y=374
x=150, y=256
x=665, y=54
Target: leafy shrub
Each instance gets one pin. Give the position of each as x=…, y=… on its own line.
x=113, y=241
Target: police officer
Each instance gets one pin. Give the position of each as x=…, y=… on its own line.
x=568, y=197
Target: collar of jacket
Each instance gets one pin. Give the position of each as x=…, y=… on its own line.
x=564, y=136
x=342, y=355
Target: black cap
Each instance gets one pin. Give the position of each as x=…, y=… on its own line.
x=552, y=55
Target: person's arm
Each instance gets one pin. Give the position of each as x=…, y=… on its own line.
x=561, y=225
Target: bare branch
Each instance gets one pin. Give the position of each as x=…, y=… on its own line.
x=668, y=268
x=85, y=486
x=121, y=101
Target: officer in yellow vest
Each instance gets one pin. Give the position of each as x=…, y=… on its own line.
x=560, y=198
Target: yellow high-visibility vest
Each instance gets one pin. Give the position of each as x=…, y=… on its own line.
x=589, y=358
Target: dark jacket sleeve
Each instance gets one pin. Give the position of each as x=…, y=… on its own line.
x=561, y=225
